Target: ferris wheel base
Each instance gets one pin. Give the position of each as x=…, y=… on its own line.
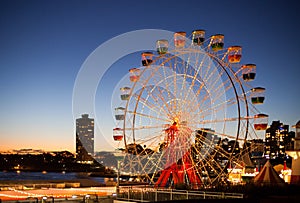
x=182, y=174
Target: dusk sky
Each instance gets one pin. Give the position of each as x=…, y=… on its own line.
x=43, y=45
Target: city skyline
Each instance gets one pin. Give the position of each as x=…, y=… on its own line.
x=44, y=44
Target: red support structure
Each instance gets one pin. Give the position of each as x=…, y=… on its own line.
x=175, y=172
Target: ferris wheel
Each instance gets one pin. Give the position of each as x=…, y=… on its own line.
x=186, y=112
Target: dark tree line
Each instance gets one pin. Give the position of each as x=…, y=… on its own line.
x=47, y=161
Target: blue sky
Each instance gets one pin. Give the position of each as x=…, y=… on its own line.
x=43, y=44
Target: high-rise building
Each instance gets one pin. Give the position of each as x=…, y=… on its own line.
x=84, y=139
x=277, y=140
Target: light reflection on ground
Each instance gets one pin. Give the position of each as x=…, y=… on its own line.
x=13, y=194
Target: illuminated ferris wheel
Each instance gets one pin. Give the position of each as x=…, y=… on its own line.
x=188, y=107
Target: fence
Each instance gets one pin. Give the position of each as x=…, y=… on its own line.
x=144, y=194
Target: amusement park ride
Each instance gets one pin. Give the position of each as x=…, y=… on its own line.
x=177, y=110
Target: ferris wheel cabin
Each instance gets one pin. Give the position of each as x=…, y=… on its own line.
x=179, y=39
x=198, y=37
x=134, y=74
x=234, y=54
x=257, y=95
x=147, y=58
x=118, y=134
x=217, y=42
x=249, y=72
x=119, y=113
x=162, y=46
x=125, y=93
x=261, y=121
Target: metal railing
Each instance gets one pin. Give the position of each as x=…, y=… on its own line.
x=145, y=194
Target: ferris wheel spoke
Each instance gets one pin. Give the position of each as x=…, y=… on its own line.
x=217, y=97
x=174, y=76
x=204, y=163
x=197, y=93
x=217, y=106
x=215, y=76
x=161, y=78
x=219, y=134
x=226, y=83
x=140, y=99
x=209, y=147
x=145, y=102
x=216, y=165
x=167, y=85
x=195, y=78
x=185, y=65
x=150, y=106
x=203, y=100
x=197, y=109
x=149, y=138
x=159, y=96
x=253, y=134
x=147, y=163
x=157, y=168
x=165, y=102
x=164, y=77
x=149, y=116
x=144, y=127
x=206, y=70
x=216, y=121
x=173, y=82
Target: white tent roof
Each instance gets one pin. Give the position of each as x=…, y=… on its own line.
x=268, y=176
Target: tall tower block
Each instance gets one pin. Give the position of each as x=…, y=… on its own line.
x=84, y=139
